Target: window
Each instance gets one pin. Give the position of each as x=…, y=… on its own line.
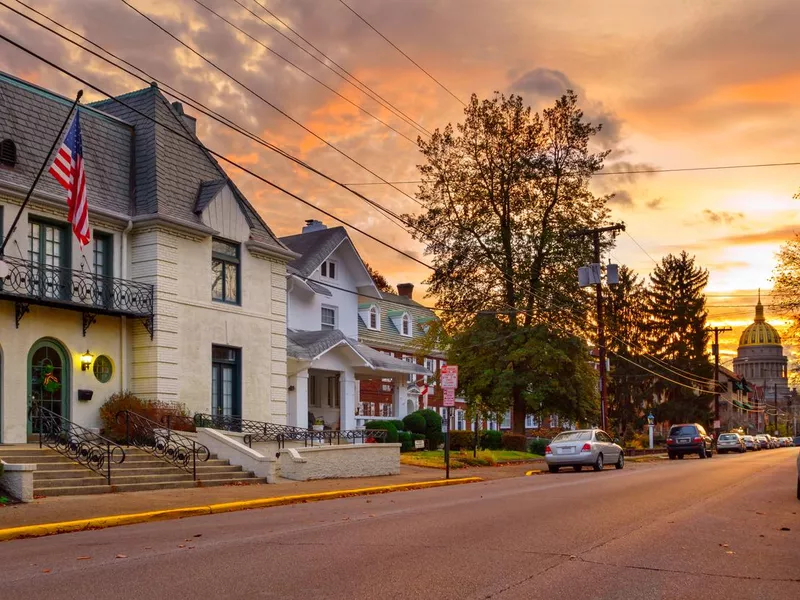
x=412, y=377
x=530, y=422
x=225, y=271
x=386, y=409
x=8, y=153
x=461, y=423
x=333, y=391
x=374, y=317
x=328, y=317
x=102, y=368
x=49, y=253
x=103, y=268
x=506, y=424
x=328, y=269
x=430, y=364
x=225, y=381
x=405, y=328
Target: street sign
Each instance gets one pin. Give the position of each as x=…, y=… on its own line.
x=716, y=424
x=449, y=397
x=449, y=376
x=424, y=390
x=419, y=444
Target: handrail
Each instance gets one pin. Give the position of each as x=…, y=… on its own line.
x=75, y=442
x=162, y=442
x=260, y=431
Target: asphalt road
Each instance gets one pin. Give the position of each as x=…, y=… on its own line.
x=722, y=528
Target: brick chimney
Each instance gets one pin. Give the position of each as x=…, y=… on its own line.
x=313, y=225
x=406, y=289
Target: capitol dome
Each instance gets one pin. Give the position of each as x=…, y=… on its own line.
x=760, y=333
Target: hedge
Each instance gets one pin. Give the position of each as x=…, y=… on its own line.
x=388, y=426
x=433, y=428
x=514, y=441
x=398, y=424
x=462, y=439
x=406, y=445
x=415, y=423
x=491, y=440
x=538, y=445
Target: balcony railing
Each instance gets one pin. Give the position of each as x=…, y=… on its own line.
x=31, y=282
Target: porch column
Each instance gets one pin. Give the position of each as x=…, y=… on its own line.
x=400, y=397
x=298, y=400
x=347, y=400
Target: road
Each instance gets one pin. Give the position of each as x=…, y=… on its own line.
x=679, y=529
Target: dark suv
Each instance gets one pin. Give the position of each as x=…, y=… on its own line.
x=689, y=439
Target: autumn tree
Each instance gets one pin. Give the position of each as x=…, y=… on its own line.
x=380, y=281
x=501, y=191
x=786, y=277
x=678, y=338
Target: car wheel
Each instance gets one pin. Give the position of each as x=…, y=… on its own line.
x=552, y=469
x=702, y=453
x=620, y=461
x=680, y=456
x=710, y=453
x=598, y=464
x=577, y=468
x=671, y=456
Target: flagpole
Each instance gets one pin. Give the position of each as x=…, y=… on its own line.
x=39, y=174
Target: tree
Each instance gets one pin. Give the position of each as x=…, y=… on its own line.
x=787, y=283
x=550, y=368
x=626, y=337
x=676, y=308
x=380, y=281
x=501, y=191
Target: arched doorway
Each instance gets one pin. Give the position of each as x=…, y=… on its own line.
x=49, y=372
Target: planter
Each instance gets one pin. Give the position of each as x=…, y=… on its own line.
x=319, y=427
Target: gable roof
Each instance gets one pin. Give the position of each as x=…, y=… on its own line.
x=207, y=192
x=313, y=248
x=32, y=117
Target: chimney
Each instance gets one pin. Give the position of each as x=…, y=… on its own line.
x=314, y=225
x=190, y=122
x=406, y=289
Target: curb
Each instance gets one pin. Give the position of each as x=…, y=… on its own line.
x=32, y=531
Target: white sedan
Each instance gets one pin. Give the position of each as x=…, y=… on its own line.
x=583, y=448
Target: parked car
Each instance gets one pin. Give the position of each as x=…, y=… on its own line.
x=730, y=442
x=750, y=443
x=763, y=442
x=773, y=442
x=689, y=438
x=583, y=448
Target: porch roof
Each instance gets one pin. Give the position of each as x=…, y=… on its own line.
x=310, y=345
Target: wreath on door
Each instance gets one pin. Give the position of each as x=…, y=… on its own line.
x=50, y=382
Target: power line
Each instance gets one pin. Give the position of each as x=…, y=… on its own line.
x=642, y=248
x=393, y=45
x=366, y=89
x=201, y=56
x=639, y=171
x=306, y=73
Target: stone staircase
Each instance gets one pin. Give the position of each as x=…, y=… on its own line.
x=57, y=475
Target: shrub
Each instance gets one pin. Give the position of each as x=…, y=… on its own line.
x=399, y=425
x=415, y=423
x=433, y=428
x=154, y=410
x=491, y=440
x=484, y=458
x=462, y=439
x=388, y=426
x=514, y=441
x=538, y=445
x=406, y=445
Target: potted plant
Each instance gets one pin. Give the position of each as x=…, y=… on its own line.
x=319, y=425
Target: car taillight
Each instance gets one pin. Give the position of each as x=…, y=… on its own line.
x=697, y=440
x=586, y=448
x=670, y=441
x=547, y=450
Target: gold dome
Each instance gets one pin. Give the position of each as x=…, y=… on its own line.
x=760, y=333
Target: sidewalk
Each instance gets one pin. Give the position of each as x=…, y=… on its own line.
x=71, y=508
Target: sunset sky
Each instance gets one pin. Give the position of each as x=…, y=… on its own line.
x=676, y=84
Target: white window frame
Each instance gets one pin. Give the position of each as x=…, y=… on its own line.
x=335, y=311
x=412, y=377
x=374, y=310
x=430, y=380
x=406, y=319
x=461, y=421
x=325, y=269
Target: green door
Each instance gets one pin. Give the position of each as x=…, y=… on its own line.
x=48, y=378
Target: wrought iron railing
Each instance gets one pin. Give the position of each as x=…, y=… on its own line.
x=162, y=442
x=32, y=281
x=259, y=431
x=75, y=442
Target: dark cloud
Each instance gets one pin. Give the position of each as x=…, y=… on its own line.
x=722, y=216
x=541, y=83
x=655, y=203
x=621, y=198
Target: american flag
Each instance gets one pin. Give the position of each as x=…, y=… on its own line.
x=67, y=168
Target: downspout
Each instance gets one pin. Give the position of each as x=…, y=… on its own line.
x=123, y=322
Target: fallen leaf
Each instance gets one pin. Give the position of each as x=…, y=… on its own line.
x=368, y=501
x=730, y=552
x=724, y=545
x=148, y=547
x=372, y=516
x=121, y=556
x=785, y=529
x=181, y=545
x=84, y=558
x=198, y=535
x=758, y=512
x=45, y=570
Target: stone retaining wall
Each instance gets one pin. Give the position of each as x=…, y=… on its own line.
x=350, y=460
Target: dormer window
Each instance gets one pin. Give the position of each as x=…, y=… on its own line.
x=8, y=153
x=374, y=317
x=328, y=269
x=405, y=327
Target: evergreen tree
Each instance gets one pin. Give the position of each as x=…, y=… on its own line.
x=676, y=307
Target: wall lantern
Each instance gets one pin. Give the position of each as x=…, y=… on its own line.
x=86, y=361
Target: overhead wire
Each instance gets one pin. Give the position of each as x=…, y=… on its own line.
x=393, y=45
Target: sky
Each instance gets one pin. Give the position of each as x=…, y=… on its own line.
x=678, y=84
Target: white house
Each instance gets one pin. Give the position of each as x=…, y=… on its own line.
x=181, y=294
x=325, y=360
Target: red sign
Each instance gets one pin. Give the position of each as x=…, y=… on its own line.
x=424, y=390
x=449, y=376
x=449, y=397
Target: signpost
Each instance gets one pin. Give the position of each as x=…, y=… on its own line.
x=449, y=377
x=651, y=420
x=419, y=444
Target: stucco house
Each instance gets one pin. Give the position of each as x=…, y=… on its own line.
x=181, y=293
x=326, y=360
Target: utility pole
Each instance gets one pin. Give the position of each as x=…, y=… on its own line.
x=601, y=335
x=775, y=392
x=715, y=349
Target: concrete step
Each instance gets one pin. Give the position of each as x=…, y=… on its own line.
x=138, y=487
x=40, y=477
